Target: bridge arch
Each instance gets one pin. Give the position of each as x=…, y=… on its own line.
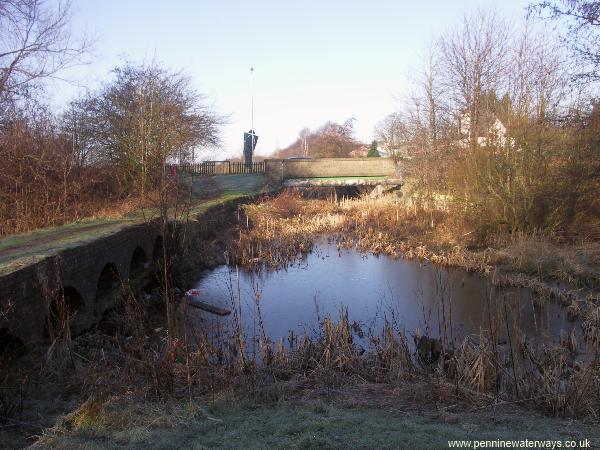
x=109, y=278
x=81, y=269
x=139, y=263
x=65, y=305
x=8, y=341
x=157, y=257
x=140, y=272
x=108, y=289
x=157, y=252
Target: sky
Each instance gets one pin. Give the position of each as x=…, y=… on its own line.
x=313, y=61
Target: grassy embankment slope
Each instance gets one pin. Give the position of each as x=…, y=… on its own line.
x=315, y=424
x=20, y=250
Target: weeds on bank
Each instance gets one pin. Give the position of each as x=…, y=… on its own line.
x=281, y=229
x=409, y=228
x=132, y=356
x=474, y=372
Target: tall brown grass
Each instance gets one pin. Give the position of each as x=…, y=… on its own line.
x=410, y=228
x=549, y=375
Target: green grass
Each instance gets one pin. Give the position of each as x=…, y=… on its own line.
x=23, y=249
x=287, y=426
x=32, y=247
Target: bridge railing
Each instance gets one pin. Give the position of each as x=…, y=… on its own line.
x=222, y=168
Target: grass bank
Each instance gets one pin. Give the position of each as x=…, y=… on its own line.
x=20, y=250
x=365, y=417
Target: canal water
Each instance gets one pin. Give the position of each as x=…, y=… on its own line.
x=415, y=297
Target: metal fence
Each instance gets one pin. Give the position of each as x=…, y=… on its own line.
x=222, y=168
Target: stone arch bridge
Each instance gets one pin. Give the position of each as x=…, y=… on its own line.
x=82, y=280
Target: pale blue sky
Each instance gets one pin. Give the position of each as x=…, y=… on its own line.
x=314, y=60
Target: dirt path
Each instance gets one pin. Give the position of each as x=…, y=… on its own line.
x=17, y=248
x=20, y=250
x=17, y=251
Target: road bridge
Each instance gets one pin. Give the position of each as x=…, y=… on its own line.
x=333, y=171
x=308, y=171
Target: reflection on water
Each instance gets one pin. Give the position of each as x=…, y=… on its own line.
x=411, y=295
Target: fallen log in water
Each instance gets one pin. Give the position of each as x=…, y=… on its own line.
x=193, y=299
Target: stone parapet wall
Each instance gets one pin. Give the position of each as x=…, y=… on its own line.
x=278, y=170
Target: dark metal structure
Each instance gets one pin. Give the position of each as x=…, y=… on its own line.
x=250, y=139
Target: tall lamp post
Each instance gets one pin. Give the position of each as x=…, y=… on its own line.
x=250, y=138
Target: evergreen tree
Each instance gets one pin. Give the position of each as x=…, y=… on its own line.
x=373, y=152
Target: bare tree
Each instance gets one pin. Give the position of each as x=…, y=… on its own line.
x=35, y=43
x=522, y=128
x=538, y=77
x=474, y=61
x=330, y=140
x=432, y=92
x=582, y=18
x=394, y=134
x=145, y=117
x=77, y=123
x=404, y=133
x=480, y=72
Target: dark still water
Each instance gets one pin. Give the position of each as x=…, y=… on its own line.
x=412, y=296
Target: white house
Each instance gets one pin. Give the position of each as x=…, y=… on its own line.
x=490, y=130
